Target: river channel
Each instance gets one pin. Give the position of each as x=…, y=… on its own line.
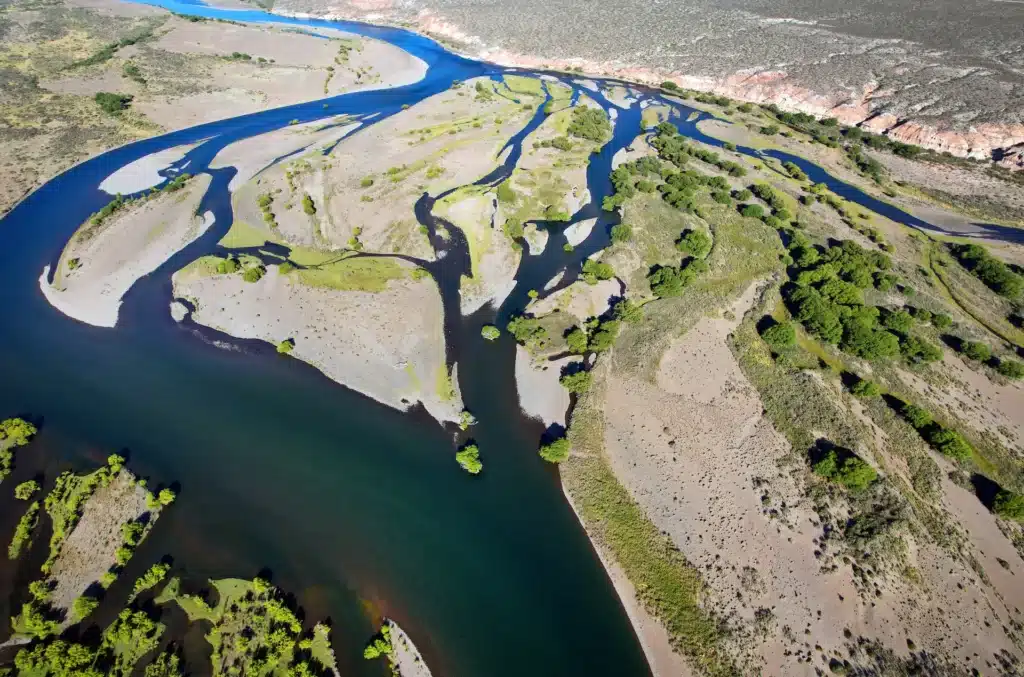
x=357, y=509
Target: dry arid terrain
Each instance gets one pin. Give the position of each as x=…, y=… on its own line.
x=946, y=76
x=56, y=55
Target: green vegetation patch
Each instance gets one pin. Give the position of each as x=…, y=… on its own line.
x=14, y=433
x=353, y=273
x=521, y=84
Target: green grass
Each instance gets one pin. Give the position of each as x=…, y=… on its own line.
x=525, y=85
x=242, y=235
x=370, y=274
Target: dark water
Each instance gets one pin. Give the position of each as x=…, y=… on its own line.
x=357, y=509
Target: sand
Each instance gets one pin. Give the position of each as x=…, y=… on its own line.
x=541, y=396
x=127, y=247
x=144, y=173
x=406, y=659
x=578, y=232
x=388, y=345
x=579, y=299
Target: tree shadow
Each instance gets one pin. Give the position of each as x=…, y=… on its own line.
x=985, y=489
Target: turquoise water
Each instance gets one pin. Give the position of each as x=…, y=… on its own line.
x=355, y=508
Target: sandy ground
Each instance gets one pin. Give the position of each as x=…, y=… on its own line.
x=407, y=659
x=88, y=552
x=251, y=156
x=144, y=173
x=127, y=247
x=189, y=72
x=580, y=299
x=578, y=232
x=373, y=178
x=536, y=239
x=541, y=396
x=388, y=345
x=699, y=464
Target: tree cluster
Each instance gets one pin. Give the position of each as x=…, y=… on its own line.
x=994, y=273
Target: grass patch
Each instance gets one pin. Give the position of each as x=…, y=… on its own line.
x=243, y=235
x=359, y=273
x=524, y=85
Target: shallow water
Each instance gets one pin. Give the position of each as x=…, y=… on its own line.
x=357, y=509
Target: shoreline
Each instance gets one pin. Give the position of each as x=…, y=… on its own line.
x=980, y=142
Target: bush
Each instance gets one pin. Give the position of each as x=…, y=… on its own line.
x=527, y=330
x=1009, y=505
x=83, y=606
x=366, y=182
x=780, y=335
x=975, y=350
x=286, y=346
x=622, y=233
x=941, y=320
x=916, y=416
x=696, y=243
x=899, y=321
x=112, y=103
x=469, y=458
x=919, y=350
x=866, y=388
x=604, y=336
x=1011, y=369
x=849, y=470
x=556, y=451
x=994, y=273
x=307, y=205
x=578, y=382
x=490, y=332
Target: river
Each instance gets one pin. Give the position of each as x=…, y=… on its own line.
x=355, y=508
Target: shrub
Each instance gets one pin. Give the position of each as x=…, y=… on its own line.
x=469, y=458
x=366, y=182
x=578, y=382
x=112, y=103
x=622, y=233
x=743, y=195
x=869, y=343
x=1009, y=505
x=589, y=123
x=848, y=470
x=941, y=320
x=696, y=243
x=866, y=388
x=490, y=332
x=604, y=336
x=899, y=321
x=555, y=452
x=307, y=205
x=1011, y=369
x=779, y=335
x=976, y=350
x=994, y=273
x=752, y=211
x=916, y=416
x=286, y=346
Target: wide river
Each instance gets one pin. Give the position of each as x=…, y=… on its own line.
x=357, y=509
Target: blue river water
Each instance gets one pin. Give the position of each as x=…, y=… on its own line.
x=357, y=509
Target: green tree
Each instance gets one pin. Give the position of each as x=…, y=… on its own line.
x=696, y=243
x=668, y=281
x=254, y=274
x=469, y=458
x=112, y=103
x=780, y=335
x=115, y=462
x=556, y=451
x=849, y=470
x=899, y=321
x=916, y=416
x=16, y=431
x=490, y=332
x=622, y=233
x=595, y=271
x=166, y=497
x=307, y=205
x=25, y=490
x=228, y=266
x=1009, y=505
x=917, y=349
x=627, y=311
x=577, y=341
x=866, y=388
x=976, y=350
x=604, y=336
x=83, y=606
x=286, y=346
x=1011, y=368
x=578, y=382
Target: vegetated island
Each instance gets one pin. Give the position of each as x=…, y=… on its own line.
x=97, y=521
